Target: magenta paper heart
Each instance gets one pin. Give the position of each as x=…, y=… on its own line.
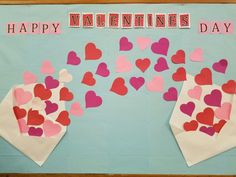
x=220, y=66
x=50, y=107
x=161, y=65
x=136, y=82
x=171, y=94
x=92, y=100
x=102, y=70
x=72, y=58
x=208, y=130
x=214, y=98
x=125, y=45
x=35, y=131
x=161, y=47
x=188, y=108
x=51, y=83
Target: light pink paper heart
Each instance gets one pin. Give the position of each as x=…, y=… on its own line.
x=197, y=55
x=50, y=128
x=29, y=78
x=38, y=104
x=123, y=65
x=143, y=42
x=195, y=92
x=224, y=111
x=21, y=96
x=23, y=127
x=156, y=84
x=76, y=109
x=65, y=76
x=47, y=67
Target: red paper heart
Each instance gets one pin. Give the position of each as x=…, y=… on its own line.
x=34, y=118
x=41, y=92
x=179, y=75
x=190, y=126
x=179, y=57
x=63, y=118
x=204, y=77
x=88, y=79
x=19, y=112
x=143, y=64
x=229, y=87
x=218, y=126
x=65, y=94
x=119, y=87
x=91, y=52
x=206, y=117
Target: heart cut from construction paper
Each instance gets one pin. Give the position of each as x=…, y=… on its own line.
x=220, y=66
x=171, y=94
x=22, y=96
x=102, y=70
x=218, y=126
x=229, y=87
x=92, y=100
x=51, y=83
x=92, y=52
x=136, y=82
x=195, y=92
x=156, y=84
x=42, y=92
x=118, y=86
x=190, y=126
x=23, y=127
x=35, y=131
x=143, y=42
x=50, y=107
x=196, y=55
x=123, y=65
x=125, y=44
x=38, y=104
x=206, y=117
x=187, y=108
x=29, y=78
x=214, y=98
x=65, y=76
x=88, y=79
x=63, y=118
x=73, y=59
x=179, y=75
x=76, y=109
x=143, y=64
x=179, y=57
x=161, y=47
x=66, y=94
x=19, y=112
x=51, y=129
x=47, y=67
x=208, y=130
x=204, y=77
x=34, y=118
x=224, y=111
x=161, y=65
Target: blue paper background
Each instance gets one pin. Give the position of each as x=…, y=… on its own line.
x=126, y=134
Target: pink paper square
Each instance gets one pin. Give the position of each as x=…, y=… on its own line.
x=22, y=28
x=45, y=28
x=88, y=20
x=139, y=20
x=74, y=20
x=34, y=28
x=55, y=28
x=100, y=20
x=113, y=20
x=160, y=21
x=149, y=20
x=11, y=28
x=126, y=20
x=204, y=27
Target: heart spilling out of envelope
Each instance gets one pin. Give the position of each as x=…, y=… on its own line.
x=30, y=117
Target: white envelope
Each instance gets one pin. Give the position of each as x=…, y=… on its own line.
x=196, y=146
x=36, y=148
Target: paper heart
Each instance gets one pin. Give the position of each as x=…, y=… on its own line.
x=41, y=92
x=29, y=78
x=179, y=57
x=50, y=107
x=187, y=108
x=143, y=64
x=92, y=100
x=136, y=82
x=73, y=59
x=218, y=126
x=204, y=77
x=51, y=129
x=214, y=98
x=35, y=131
x=118, y=86
x=143, y=42
x=88, y=79
x=38, y=104
x=51, y=83
x=102, y=70
x=206, y=117
x=195, y=93
x=190, y=126
x=65, y=76
x=125, y=44
x=156, y=84
x=92, y=52
x=34, y=118
x=208, y=130
x=229, y=87
x=76, y=109
x=23, y=127
x=161, y=65
x=63, y=118
x=171, y=94
x=65, y=94
x=123, y=65
x=224, y=111
x=196, y=55
x=47, y=67
x=220, y=66
x=19, y=112
x=22, y=96
x=179, y=75
x=161, y=47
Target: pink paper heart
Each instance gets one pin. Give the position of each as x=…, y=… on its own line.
x=92, y=100
x=47, y=67
x=143, y=42
x=171, y=94
x=123, y=65
x=214, y=98
x=136, y=82
x=125, y=44
x=50, y=128
x=224, y=111
x=23, y=126
x=161, y=65
x=187, y=108
x=197, y=55
x=208, y=130
x=220, y=66
x=195, y=93
x=156, y=84
x=50, y=107
x=161, y=47
x=51, y=83
x=21, y=96
x=76, y=109
x=102, y=70
x=73, y=59
x=29, y=78
x=35, y=131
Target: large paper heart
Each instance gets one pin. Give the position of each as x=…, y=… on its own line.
x=63, y=118
x=218, y=126
x=125, y=44
x=143, y=64
x=65, y=94
x=196, y=55
x=92, y=52
x=171, y=94
x=161, y=65
x=29, y=78
x=204, y=77
x=179, y=75
x=136, y=82
x=73, y=59
x=143, y=42
x=22, y=96
x=220, y=66
x=65, y=76
x=41, y=92
x=34, y=118
x=92, y=100
x=47, y=67
x=161, y=47
x=76, y=109
x=229, y=87
x=35, y=131
x=102, y=70
x=190, y=126
x=123, y=65
x=214, y=98
x=224, y=111
x=156, y=84
x=118, y=86
x=206, y=117
x=188, y=108
x=50, y=107
x=195, y=92
x=208, y=130
x=51, y=129
x=19, y=112
x=179, y=57
x=88, y=79
x=51, y=83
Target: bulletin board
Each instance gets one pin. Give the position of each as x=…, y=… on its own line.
x=118, y=89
